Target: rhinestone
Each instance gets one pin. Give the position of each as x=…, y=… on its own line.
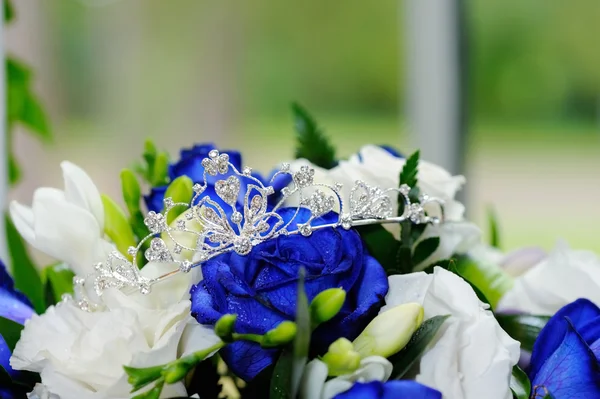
x=305, y=230
x=242, y=246
x=304, y=177
x=84, y=305
x=346, y=221
x=213, y=153
x=181, y=225
x=247, y=171
x=185, y=266
x=144, y=288
x=228, y=190
x=339, y=186
x=78, y=280
x=223, y=163
x=158, y=251
x=269, y=190
x=236, y=217
x=284, y=232
x=256, y=204
x=189, y=215
x=209, y=166
x=319, y=204
x=132, y=251
x=285, y=167
x=197, y=188
x=404, y=189
x=168, y=202
x=201, y=256
x=285, y=191
x=155, y=222
x=177, y=249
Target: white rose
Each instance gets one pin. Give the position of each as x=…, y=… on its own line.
x=471, y=357
x=67, y=225
x=40, y=391
x=81, y=355
x=562, y=277
x=377, y=167
x=314, y=385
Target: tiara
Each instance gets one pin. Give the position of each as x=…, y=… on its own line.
x=243, y=226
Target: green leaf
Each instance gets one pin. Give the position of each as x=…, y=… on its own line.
x=25, y=274
x=311, y=142
x=116, y=226
x=404, y=261
x=520, y=384
x=381, y=245
x=410, y=170
x=404, y=359
x=523, y=328
x=424, y=249
x=494, y=230
x=489, y=278
x=10, y=331
x=153, y=393
x=288, y=371
x=9, y=11
x=14, y=170
x=131, y=190
x=160, y=171
x=180, y=190
x=59, y=281
x=35, y=118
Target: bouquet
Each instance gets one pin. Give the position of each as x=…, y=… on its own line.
x=326, y=278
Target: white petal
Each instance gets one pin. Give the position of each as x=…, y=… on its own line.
x=313, y=380
x=65, y=231
x=81, y=191
x=196, y=337
x=22, y=217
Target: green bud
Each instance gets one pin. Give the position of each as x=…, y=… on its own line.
x=131, y=190
x=341, y=358
x=180, y=190
x=224, y=327
x=281, y=335
x=326, y=305
x=179, y=369
x=116, y=226
x=390, y=331
x=160, y=170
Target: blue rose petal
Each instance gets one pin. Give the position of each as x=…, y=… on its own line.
x=564, y=360
x=389, y=390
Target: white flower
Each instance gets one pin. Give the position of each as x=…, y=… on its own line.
x=471, y=357
x=556, y=280
x=313, y=385
x=67, y=225
x=40, y=391
x=80, y=355
x=377, y=167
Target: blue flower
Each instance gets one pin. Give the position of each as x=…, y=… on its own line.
x=564, y=360
x=390, y=390
x=261, y=288
x=190, y=165
x=16, y=307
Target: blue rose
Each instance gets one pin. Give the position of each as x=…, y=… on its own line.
x=564, y=360
x=389, y=390
x=16, y=307
x=261, y=288
x=190, y=165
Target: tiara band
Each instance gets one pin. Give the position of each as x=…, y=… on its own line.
x=244, y=226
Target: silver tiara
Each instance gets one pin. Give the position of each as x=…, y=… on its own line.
x=243, y=226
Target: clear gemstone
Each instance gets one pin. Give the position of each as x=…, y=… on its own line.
x=223, y=163
x=144, y=288
x=185, y=266
x=210, y=166
x=339, y=186
x=319, y=204
x=304, y=177
x=247, y=171
x=132, y=251
x=285, y=167
x=177, y=249
x=213, y=153
x=285, y=191
x=228, y=190
x=198, y=188
x=305, y=230
x=78, y=280
x=405, y=189
x=181, y=225
x=155, y=222
x=168, y=202
x=236, y=217
x=346, y=221
x=158, y=251
x=242, y=246
x=269, y=190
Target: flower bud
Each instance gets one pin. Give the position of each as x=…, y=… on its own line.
x=180, y=190
x=390, y=331
x=116, y=225
x=280, y=335
x=224, y=327
x=341, y=358
x=326, y=305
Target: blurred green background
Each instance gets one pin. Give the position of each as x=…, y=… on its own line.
x=113, y=72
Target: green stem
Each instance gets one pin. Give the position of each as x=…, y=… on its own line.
x=248, y=337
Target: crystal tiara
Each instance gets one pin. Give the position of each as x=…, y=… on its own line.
x=244, y=225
